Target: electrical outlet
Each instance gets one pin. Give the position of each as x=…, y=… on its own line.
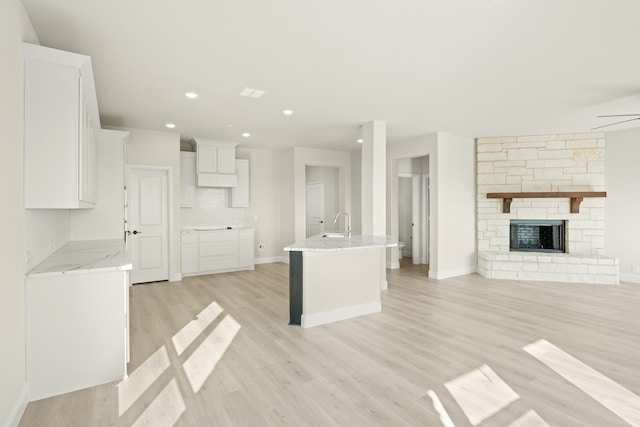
x=635, y=269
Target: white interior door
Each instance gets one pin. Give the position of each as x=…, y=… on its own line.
x=148, y=227
x=315, y=208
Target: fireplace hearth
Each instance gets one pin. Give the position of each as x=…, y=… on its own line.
x=537, y=236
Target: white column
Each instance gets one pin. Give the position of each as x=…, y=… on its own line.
x=374, y=186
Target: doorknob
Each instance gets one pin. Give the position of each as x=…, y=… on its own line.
x=137, y=232
x=321, y=222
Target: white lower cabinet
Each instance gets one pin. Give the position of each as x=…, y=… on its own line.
x=189, y=252
x=216, y=251
x=77, y=331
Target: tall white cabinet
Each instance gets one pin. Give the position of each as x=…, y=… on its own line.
x=61, y=121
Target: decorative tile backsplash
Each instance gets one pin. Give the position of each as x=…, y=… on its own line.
x=212, y=210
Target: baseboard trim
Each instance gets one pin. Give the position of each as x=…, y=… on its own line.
x=393, y=265
x=631, y=278
x=17, y=410
x=446, y=274
x=269, y=260
x=175, y=277
x=312, y=320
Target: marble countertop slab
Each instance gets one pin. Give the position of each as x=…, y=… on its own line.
x=318, y=243
x=83, y=257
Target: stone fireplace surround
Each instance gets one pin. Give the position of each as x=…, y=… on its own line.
x=557, y=163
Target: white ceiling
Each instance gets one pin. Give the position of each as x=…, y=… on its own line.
x=467, y=67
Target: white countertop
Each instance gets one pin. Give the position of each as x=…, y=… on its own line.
x=82, y=257
x=333, y=244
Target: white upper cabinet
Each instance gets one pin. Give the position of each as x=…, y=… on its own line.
x=187, y=179
x=240, y=193
x=216, y=163
x=60, y=125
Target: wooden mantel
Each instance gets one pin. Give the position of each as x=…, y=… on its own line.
x=575, y=196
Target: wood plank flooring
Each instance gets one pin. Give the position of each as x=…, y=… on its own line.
x=217, y=351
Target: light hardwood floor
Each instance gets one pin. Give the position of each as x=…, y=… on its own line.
x=216, y=350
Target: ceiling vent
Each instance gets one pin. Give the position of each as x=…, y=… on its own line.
x=251, y=93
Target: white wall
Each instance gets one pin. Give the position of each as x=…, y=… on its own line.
x=154, y=148
x=456, y=205
x=15, y=28
x=622, y=228
x=264, y=208
x=405, y=213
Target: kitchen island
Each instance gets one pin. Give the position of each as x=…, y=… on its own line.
x=78, y=317
x=333, y=276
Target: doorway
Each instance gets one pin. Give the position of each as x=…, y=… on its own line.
x=147, y=232
x=322, y=199
x=413, y=212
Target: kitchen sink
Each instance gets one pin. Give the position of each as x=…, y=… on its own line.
x=333, y=235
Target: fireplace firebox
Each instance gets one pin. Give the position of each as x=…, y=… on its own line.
x=531, y=235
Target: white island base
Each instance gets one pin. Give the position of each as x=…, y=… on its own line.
x=339, y=285
x=336, y=279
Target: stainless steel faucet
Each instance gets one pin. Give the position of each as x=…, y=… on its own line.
x=348, y=231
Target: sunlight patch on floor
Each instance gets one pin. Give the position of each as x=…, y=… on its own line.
x=437, y=405
x=165, y=409
x=481, y=393
x=130, y=389
x=607, y=392
x=204, y=359
x=185, y=337
x=530, y=419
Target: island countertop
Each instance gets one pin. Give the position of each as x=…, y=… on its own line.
x=82, y=257
x=318, y=243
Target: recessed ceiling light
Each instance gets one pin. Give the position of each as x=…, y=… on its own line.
x=191, y=95
x=246, y=134
x=360, y=141
x=287, y=112
x=170, y=125
x=250, y=92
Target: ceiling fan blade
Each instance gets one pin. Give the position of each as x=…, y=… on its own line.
x=616, y=123
x=619, y=115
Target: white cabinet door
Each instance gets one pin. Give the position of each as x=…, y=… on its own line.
x=60, y=122
x=190, y=254
x=226, y=159
x=240, y=193
x=245, y=253
x=207, y=158
x=187, y=179
x=77, y=326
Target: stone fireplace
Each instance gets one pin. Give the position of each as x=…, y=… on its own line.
x=548, y=163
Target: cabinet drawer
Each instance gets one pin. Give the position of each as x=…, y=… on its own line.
x=220, y=262
x=222, y=236
x=216, y=249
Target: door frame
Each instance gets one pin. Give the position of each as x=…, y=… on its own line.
x=416, y=223
x=425, y=219
x=174, y=275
